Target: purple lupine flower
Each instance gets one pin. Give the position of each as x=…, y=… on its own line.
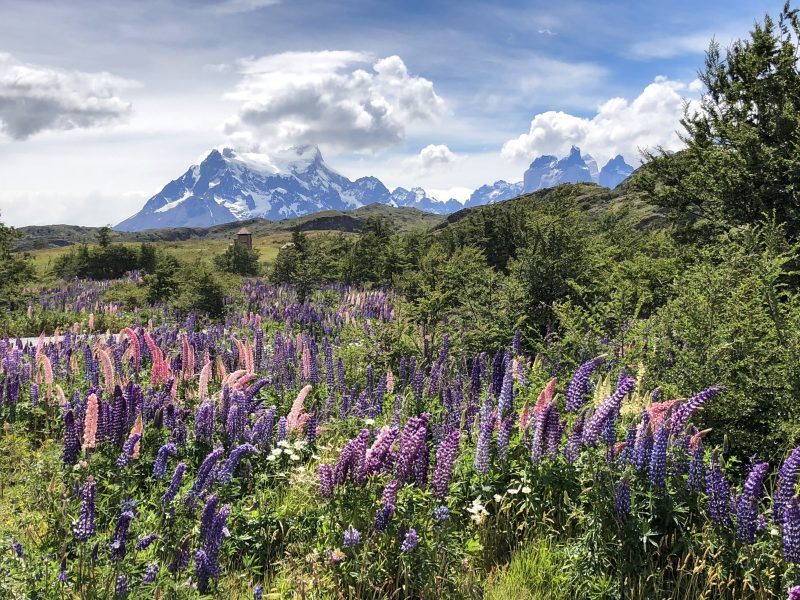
x=422, y=465
x=128, y=447
x=794, y=593
x=213, y=542
x=504, y=435
x=351, y=458
x=485, y=430
x=541, y=421
x=441, y=514
x=204, y=422
x=383, y=516
x=377, y=458
x=555, y=431
x=697, y=469
x=684, y=411
x=791, y=531
x=622, y=497
x=389, y=494
x=120, y=538
x=160, y=465
x=351, y=537
x=326, y=481
x=262, y=430
x=578, y=390
x=575, y=438
x=145, y=542
x=150, y=573
x=205, y=470
x=608, y=410
x=229, y=466
x=17, y=548
x=505, y=401
x=181, y=560
x=258, y=592
x=658, y=458
x=718, y=493
x=121, y=586
x=787, y=481
x=281, y=429
x=446, y=456
x=207, y=519
x=412, y=445
x=410, y=541
x=84, y=528
x=72, y=446
x=747, y=503
x=644, y=443
x=201, y=570
x=175, y=484
x=34, y=395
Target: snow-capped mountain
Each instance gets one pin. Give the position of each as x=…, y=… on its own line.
x=548, y=171
x=615, y=172
x=496, y=192
x=229, y=186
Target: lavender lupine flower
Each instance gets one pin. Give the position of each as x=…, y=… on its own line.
x=150, y=573
x=578, y=390
x=608, y=410
x=719, y=493
x=84, y=528
x=541, y=420
x=485, y=430
x=658, y=458
x=326, y=481
x=575, y=438
x=146, y=541
x=213, y=544
x=121, y=586
x=644, y=443
x=555, y=432
x=120, y=538
x=422, y=465
x=72, y=445
x=410, y=541
x=258, y=592
x=383, y=516
x=160, y=465
x=262, y=430
x=747, y=503
x=34, y=395
x=378, y=455
x=229, y=466
x=351, y=537
x=787, y=480
x=622, y=497
x=128, y=447
x=175, y=484
x=791, y=531
x=794, y=593
x=441, y=514
x=205, y=470
x=281, y=429
x=445, y=458
x=389, y=494
x=684, y=412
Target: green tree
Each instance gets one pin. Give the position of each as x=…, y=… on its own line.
x=104, y=236
x=238, y=259
x=147, y=257
x=15, y=270
x=162, y=284
x=741, y=159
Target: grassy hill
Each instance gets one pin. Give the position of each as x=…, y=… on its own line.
x=41, y=237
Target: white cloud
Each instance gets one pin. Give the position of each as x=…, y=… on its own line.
x=242, y=6
x=618, y=127
x=93, y=208
x=461, y=194
x=35, y=98
x=431, y=157
x=679, y=45
x=323, y=98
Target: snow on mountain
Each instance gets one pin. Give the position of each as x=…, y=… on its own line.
x=615, y=172
x=496, y=192
x=228, y=185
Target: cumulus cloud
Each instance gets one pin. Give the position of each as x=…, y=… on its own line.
x=324, y=98
x=35, y=98
x=432, y=156
x=619, y=126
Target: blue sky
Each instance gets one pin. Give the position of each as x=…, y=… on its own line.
x=102, y=103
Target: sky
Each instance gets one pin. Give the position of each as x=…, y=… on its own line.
x=102, y=103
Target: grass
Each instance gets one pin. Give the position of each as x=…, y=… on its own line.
x=535, y=573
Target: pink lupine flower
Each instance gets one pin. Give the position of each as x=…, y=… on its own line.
x=205, y=376
x=90, y=422
x=389, y=381
x=108, y=369
x=292, y=420
x=545, y=397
